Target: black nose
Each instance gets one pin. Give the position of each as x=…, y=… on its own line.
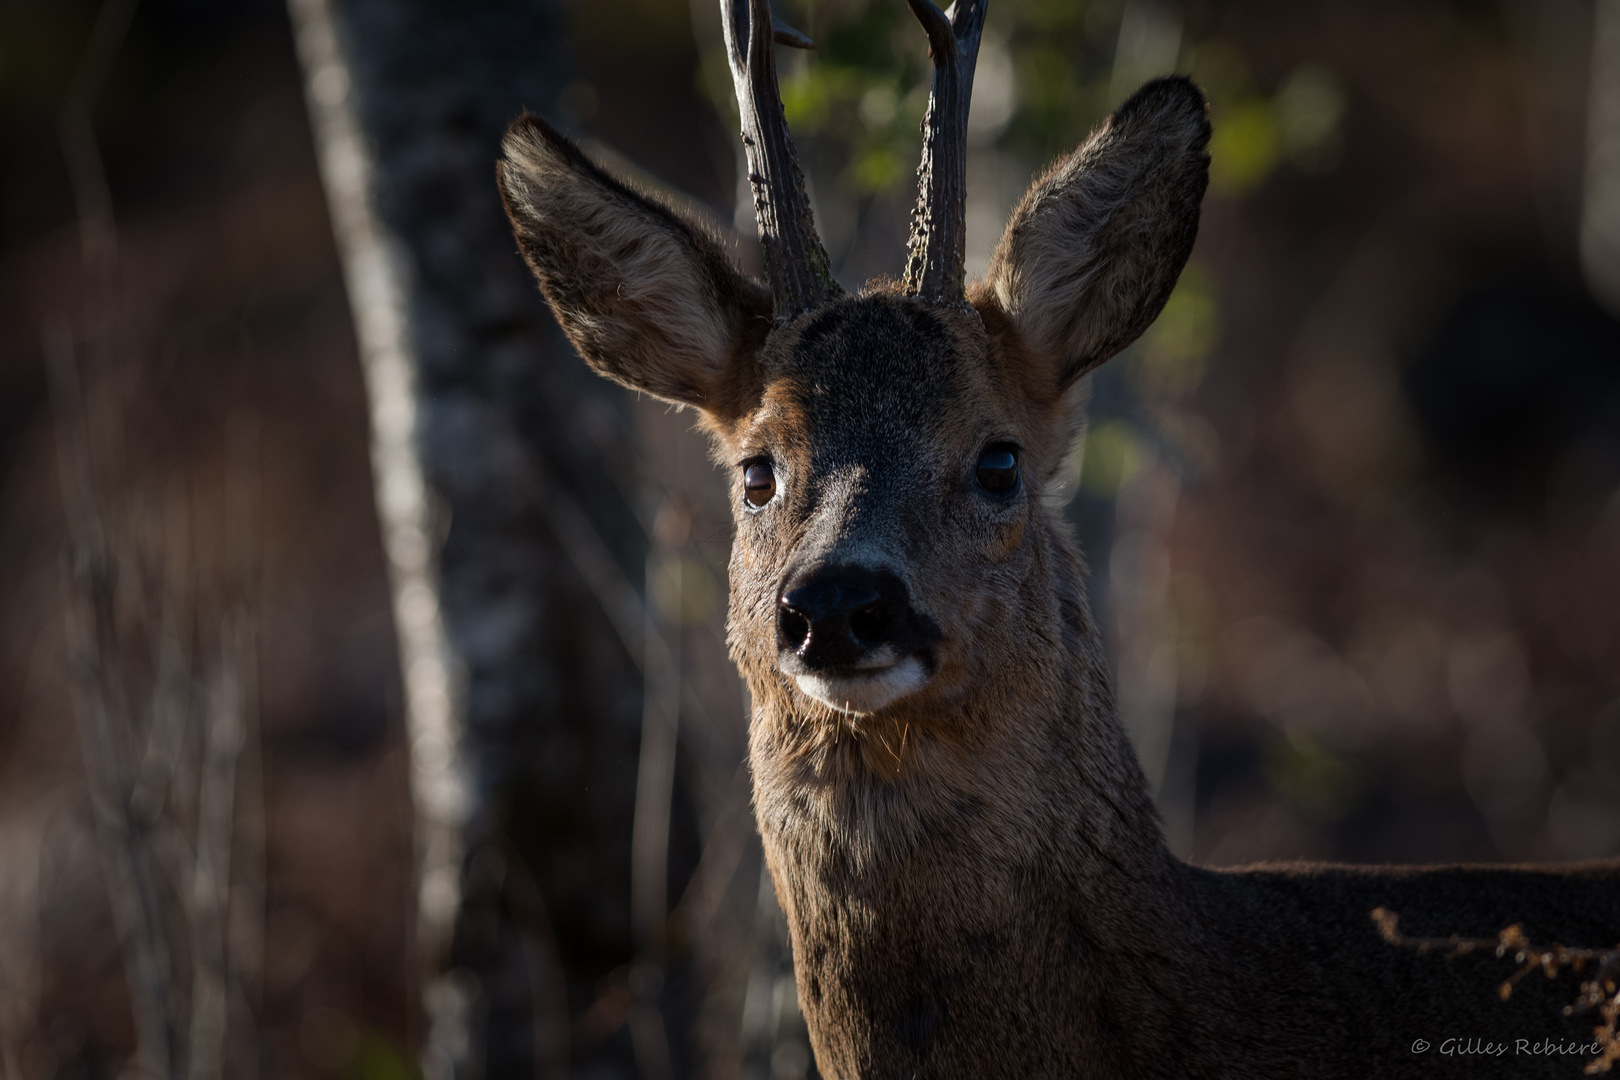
x=835, y=615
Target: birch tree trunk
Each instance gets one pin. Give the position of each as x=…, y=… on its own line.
x=501, y=469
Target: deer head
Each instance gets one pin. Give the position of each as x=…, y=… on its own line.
x=889, y=451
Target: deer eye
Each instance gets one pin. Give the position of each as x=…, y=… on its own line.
x=759, y=483
x=998, y=468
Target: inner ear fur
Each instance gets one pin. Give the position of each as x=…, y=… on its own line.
x=646, y=295
x=1095, y=247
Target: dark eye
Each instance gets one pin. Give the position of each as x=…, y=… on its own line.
x=759, y=483
x=998, y=468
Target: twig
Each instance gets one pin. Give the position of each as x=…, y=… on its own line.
x=101, y=698
x=1602, y=991
x=91, y=195
x=101, y=693
x=538, y=934
x=20, y=936
x=718, y=862
x=211, y=875
x=171, y=706
x=655, y=785
x=245, y=913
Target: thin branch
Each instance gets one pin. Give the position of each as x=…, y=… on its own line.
x=1601, y=991
x=91, y=194
x=211, y=871
x=540, y=952
x=245, y=913
x=718, y=862
x=171, y=704
x=21, y=971
x=105, y=724
x=655, y=786
x=101, y=693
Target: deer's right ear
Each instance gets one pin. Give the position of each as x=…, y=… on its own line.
x=647, y=297
x=1094, y=248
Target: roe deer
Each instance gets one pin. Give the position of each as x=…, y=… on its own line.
x=959, y=832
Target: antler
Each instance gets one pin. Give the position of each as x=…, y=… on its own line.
x=797, y=264
x=936, y=252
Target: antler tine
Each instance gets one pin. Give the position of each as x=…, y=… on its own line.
x=800, y=274
x=937, y=251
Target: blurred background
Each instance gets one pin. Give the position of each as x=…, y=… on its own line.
x=364, y=703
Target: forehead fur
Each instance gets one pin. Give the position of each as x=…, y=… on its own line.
x=878, y=365
x=872, y=374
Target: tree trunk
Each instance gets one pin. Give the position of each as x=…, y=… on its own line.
x=506, y=487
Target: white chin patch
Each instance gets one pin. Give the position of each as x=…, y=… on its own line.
x=866, y=692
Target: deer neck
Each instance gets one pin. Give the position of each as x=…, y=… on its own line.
x=998, y=854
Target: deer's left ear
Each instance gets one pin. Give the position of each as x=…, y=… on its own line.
x=1094, y=248
x=647, y=297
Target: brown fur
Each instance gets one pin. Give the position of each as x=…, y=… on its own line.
x=1094, y=248
x=646, y=295
x=973, y=875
